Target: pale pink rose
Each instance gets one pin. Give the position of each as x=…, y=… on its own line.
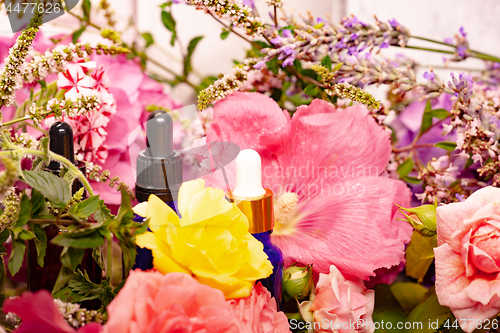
x=340, y=305
x=323, y=165
x=175, y=302
x=468, y=257
x=258, y=313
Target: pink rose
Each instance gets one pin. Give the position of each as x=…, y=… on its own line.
x=468, y=257
x=175, y=302
x=340, y=304
x=258, y=313
x=39, y=313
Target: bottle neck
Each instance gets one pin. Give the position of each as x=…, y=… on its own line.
x=264, y=237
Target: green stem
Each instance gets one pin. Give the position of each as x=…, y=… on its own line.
x=109, y=240
x=25, y=118
x=73, y=169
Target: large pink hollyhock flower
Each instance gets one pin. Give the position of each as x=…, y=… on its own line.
x=340, y=305
x=323, y=164
x=39, y=313
x=468, y=257
x=175, y=302
x=258, y=312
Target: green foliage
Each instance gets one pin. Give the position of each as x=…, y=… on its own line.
x=430, y=313
x=187, y=60
x=225, y=33
x=125, y=229
x=81, y=289
x=82, y=210
x=38, y=204
x=408, y=294
x=86, y=6
x=312, y=90
x=387, y=309
x=82, y=239
x=405, y=168
x=16, y=256
x=148, y=38
x=40, y=243
x=327, y=62
x=429, y=114
x=24, y=212
x=419, y=255
x=446, y=145
x=55, y=189
x=78, y=33
x=169, y=23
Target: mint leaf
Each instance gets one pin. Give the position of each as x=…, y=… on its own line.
x=71, y=257
x=85, y=239
x=224, y=34
x=40, y=243
x=148, y=38
x=38, y=204
x=24, y=212
x=55, y=189
x=311, y=90
x=169, y=23
x=16, y=256
x=327, y=62
x=84, y=209
x=187, y=61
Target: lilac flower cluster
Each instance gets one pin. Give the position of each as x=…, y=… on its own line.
x=317, y=38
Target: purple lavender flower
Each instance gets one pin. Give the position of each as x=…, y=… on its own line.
x=429, y=76
x=460, y=197
x=289, y=61
x=384, y=45
x=448, y=40
x=350, y=22
x=461, y=50
x=320, y=20
x=287, y=33
x=260, y=64
x=395, y=24
x=462, y=31
x=354, y=36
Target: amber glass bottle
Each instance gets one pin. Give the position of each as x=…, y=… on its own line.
x=61, y=142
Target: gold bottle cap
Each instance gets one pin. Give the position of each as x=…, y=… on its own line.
x=259, y=211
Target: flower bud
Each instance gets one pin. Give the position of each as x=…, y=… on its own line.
x=422, y=218
x=297, y=282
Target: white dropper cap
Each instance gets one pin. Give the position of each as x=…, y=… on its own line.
x=248, y=175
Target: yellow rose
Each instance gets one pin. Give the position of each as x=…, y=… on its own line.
x=211, y=241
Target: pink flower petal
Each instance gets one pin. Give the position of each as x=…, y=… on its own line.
x=363, y=216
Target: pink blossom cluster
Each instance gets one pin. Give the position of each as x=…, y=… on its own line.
x=89, y=129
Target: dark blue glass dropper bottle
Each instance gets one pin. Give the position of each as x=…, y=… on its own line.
x=256, y=203
x=159, y=172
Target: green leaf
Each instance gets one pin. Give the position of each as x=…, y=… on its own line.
x=327, y=62
x=38, y=204
x=40, y=243
x=65, y=274
x=148, y=38
x=24, y=212
x=55, y=189
x=84, y=209
x=78, y=33
x=86, y=5
x=2, y=275
x=97, y=255
x=187, y=60
x=387, y=309
x=4, y=235
x=72, y=257
x=419, y=255
x=430, y=314
x=429, y=114
x=169, y=23
x=311, y=90
x=16, y=256
x=25, y=234
x=81, y=240
x=405, y=168
x=446, y=145
x=411, y=180
x=408, y=294
x=224, y=34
